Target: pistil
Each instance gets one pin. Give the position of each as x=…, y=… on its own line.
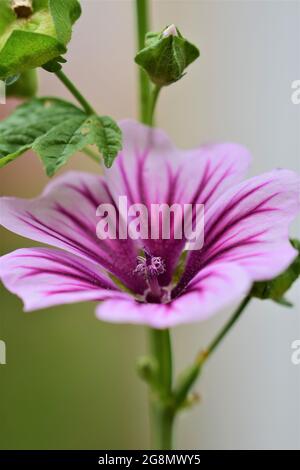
x=155, y=289
x=150, y=267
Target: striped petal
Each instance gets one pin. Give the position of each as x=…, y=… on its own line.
x=64, y=216
x=44, y=277
x=249, y=225
x=150, y=169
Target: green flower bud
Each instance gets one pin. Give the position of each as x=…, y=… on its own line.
x=166, y=56
x=34, y=33
x=147, y=369
x=276, y=288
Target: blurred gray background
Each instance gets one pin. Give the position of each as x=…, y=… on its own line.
x=70, y=380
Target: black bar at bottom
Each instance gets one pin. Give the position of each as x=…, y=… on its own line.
x=132, y=459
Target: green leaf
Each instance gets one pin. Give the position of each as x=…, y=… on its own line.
x=25, y=86
x=55, y=130
x=27, y=43
x=64, y=15
x=107, y=135
x=277, y=287
x=284, y=302
x=75, y=133
x=166, y=56
x=62, y=141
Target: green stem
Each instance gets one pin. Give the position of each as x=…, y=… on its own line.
x=191, y=374
x=232, y=320
x=162, y=414
x=162, y=418
x=162, y=411
x=142, y=17
x=160, y=347
x=152, y=103
x=75, y=92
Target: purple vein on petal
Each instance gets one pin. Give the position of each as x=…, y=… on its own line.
x=86, y=274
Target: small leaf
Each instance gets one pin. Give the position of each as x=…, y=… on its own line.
x=75, y=133
x=55, y=130
x=26, y=43
x=54, y=65
x=61, y=142
x=108, y=137
x=283, y=301
x=147, y=369
x=276, y=288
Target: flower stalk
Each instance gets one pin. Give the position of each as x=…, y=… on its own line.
x=75, y=92
x=85, y=105
x=153, y=100
x=162, y=410
x=191, y=374
x=217, y=340
x=165, y=401
x=161, y=350
x=142, y=17
x=161, y=413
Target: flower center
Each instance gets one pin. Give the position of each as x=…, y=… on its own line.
x=150, y=267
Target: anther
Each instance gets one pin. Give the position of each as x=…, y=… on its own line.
x=150, y=267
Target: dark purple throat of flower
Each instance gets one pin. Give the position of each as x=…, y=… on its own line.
x=150, y=267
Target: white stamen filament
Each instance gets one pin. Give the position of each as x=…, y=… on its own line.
x=150, y=267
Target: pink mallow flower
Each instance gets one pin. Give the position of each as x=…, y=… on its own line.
x=246, y=234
